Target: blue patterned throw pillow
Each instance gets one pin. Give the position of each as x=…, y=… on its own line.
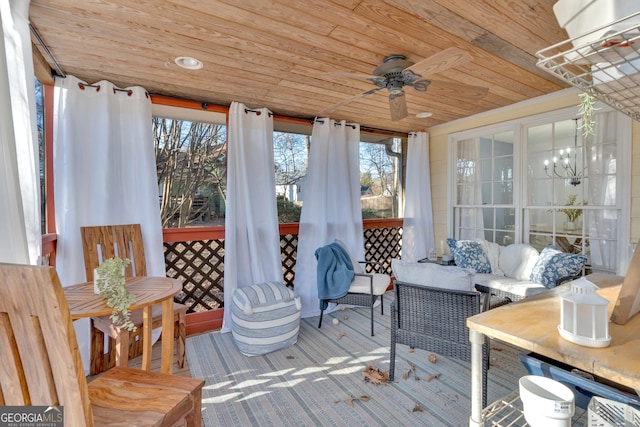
x=554, y=264
x=469, y=254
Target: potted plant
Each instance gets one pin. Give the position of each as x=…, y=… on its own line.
x=110, y=284
x=573, y=214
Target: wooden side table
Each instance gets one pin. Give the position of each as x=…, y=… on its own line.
x=149, y=291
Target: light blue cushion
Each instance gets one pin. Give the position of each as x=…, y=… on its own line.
x=554, y=264
x=469, y=254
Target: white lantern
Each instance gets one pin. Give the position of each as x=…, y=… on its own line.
x=584, y=318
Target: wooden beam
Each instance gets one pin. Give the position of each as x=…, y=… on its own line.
x=41, y=68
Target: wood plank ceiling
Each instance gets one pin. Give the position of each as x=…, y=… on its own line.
x=273, y=53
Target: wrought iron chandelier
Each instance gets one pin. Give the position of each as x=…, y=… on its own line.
x=568, y=160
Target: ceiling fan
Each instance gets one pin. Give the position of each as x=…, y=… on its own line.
x=396, y=72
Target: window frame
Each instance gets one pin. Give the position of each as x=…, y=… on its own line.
x=520, y=180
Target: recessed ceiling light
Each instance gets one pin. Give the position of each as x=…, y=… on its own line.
x=424, y=115
x=188, y=62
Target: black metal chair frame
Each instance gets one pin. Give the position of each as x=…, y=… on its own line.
x=367, y=300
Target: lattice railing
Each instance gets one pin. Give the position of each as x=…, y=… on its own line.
x=196, y=256
x=200, y=265
x=382, y=245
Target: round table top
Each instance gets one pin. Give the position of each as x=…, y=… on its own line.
x=148, y=290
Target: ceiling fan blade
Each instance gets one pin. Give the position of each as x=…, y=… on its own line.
x=346, y=101
x=457, y=90
x=398, y=106
x=441, y=61
x=349, y=76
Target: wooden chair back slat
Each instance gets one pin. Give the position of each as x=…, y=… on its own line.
x=124, y=241
x=41, y=364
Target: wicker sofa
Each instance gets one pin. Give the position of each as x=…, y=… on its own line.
x=511, y=273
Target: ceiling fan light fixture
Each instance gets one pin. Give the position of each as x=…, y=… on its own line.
x=424, y=114
x=188, y=63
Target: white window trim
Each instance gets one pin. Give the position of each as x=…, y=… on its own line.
x=518, y=126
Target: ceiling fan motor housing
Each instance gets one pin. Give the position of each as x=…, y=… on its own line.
x=395, y=83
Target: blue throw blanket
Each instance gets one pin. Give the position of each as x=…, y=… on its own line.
x=335, y=273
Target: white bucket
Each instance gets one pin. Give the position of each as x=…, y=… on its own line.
x=546, y=402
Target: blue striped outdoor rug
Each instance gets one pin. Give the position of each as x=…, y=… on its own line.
x=312, y=382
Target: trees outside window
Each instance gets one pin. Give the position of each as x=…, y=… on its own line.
x=379, y=179
x=191, y=164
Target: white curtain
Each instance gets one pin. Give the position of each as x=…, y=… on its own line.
x=252, y=237
x=417, y=228
x=331, y=203
x=469, y=183
x=19, y=171
x=601, y=161
x=104, y=173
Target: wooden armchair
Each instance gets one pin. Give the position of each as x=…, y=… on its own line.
x=103, y=242
x=434, y=319
x=41, y=364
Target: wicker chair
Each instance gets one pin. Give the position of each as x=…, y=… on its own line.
x=434, y=319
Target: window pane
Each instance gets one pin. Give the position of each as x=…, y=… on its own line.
x=191, y=164
x=291, y=152
x=505, y=218
x=41, y=154
x=379, y=180
x=487, y=215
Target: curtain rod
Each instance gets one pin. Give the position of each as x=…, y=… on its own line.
x=289, y=119
x=58, y=69
x=351, y=125
x=115, y=89
x=258, y=112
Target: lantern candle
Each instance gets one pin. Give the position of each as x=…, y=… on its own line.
x=584, y=315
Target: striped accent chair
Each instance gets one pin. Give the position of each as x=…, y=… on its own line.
x=265, y=318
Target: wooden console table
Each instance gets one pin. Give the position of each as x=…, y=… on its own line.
x=149, y=291
x=532, y=324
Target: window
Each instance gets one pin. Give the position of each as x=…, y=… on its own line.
x=191, y=162
x=191, y=165
x=572, y=189
x=578, y=206
x=484, y=182
x=379, y=182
